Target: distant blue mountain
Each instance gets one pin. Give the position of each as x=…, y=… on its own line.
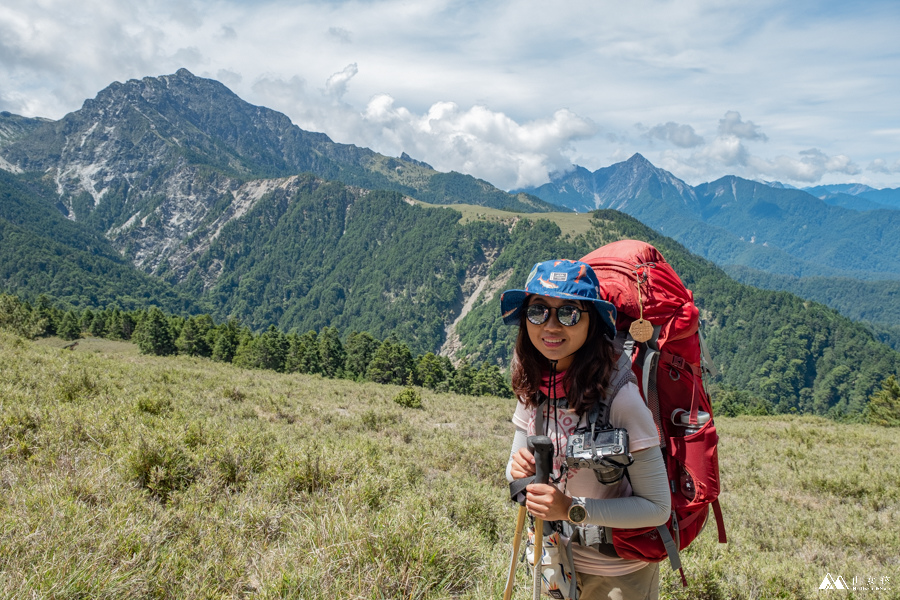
x=857, y=196
x=734, y=221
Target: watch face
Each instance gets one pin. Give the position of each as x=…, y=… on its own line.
x=577, y=514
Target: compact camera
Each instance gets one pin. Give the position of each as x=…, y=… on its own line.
x=608, y=449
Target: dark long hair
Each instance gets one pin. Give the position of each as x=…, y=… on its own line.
x=586, y=379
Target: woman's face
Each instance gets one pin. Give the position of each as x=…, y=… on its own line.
x=554, y=340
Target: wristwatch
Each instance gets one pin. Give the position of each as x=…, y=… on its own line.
x=577, y=512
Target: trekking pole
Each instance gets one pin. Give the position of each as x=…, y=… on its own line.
x=520, y=525
x=517, y=488
x=543, y=455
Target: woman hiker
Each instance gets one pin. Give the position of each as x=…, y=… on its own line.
x=564, y=363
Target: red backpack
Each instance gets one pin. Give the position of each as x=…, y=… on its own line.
x=670, y=361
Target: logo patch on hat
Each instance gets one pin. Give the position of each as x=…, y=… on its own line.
x=559, y=276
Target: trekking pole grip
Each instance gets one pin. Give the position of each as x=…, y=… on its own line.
x=542, y=449
x=543, y=456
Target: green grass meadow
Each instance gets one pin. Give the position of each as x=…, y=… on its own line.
x=127, y=476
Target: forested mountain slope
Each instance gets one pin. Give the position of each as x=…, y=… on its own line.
x=42, y=252
x=311, y=254
x=327, y=254
x=875, y=303
x=862, y=245
x=780, y=352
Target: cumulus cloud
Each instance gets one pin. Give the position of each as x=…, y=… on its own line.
x=229, y=78
x=336, y=86
x=477, y=140
x=809, y=167
x=732, y=125
x=879, y=165
x=682, y=136
x=728, y=152
x=812, y=165
x=43, y=43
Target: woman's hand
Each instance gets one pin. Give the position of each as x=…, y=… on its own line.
x=547, y=503
x=522, y=464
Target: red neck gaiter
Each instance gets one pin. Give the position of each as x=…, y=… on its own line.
x=559, y=387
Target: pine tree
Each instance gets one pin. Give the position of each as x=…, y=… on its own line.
x=245, y=353
x=490, y=381
x=429, y=372
x=884, y=405
x=87, y=317
x=193, y=339
x=129, y=322
x=18, y=316
x=114, y=325
x=379, y=369
x=331, y=352
x=44, y=311
x=227, y=341
x=359, y=350
x=307, y=353
x=463, y=379
x=69, y=329
x=97, y=328
x=272, y=348
x=392, y=363
x=154, y=334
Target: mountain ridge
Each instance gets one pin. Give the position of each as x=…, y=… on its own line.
x=726, y=218
x=167, y=151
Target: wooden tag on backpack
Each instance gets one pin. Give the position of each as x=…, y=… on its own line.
x=641, y=330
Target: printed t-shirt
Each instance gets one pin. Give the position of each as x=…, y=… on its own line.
x=629, y=412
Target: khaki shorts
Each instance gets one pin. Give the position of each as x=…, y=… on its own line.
x=640, y=585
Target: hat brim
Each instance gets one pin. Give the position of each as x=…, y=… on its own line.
x=511, y=302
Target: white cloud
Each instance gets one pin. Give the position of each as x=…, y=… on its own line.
x=478, y=141
x=336, y=86
x=726, y=153
x=812, y=165
x=879, y=165
x=732, y=125
x=682, y=136
x=485, y=143
x=228, y=33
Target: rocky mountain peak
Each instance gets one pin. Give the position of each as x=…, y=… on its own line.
x=159, y=162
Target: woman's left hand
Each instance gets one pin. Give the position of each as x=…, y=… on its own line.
x=547, y=503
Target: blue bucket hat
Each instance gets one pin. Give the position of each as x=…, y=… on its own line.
x=568, y=279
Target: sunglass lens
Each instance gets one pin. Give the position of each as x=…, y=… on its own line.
x=568, y=315
x=537, y=314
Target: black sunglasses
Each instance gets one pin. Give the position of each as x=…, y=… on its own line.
x=568, y=315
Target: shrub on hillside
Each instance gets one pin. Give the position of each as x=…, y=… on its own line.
x=410, y=397
x=161, y=467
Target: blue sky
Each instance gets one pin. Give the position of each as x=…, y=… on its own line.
x=801, y=92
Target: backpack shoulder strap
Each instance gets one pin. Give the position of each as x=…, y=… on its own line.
x=622, y=376
x=539, y=413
